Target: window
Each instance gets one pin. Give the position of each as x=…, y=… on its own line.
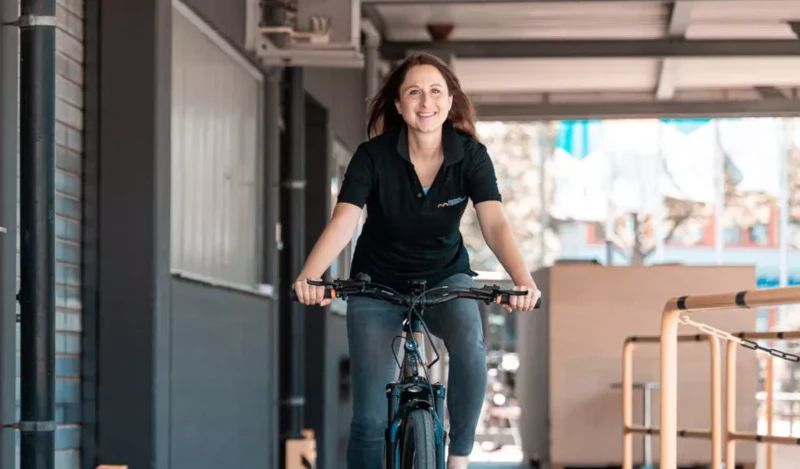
x=216, y=157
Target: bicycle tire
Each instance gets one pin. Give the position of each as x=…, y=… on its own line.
x=419, y=449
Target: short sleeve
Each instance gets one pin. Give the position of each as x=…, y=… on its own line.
x=357, y=183
x=482, y=179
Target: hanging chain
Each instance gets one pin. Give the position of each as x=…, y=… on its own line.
x=752, y=345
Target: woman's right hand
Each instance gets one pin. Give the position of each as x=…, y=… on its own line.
x=310, y=294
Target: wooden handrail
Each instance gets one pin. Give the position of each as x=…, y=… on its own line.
x=629, y=429
x=669, y=349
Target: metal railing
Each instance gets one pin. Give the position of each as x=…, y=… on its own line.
x=731, y=434
x=670, y=318
x=629, y=429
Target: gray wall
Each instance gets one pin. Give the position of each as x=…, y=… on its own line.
x=342, y=91
x=338, y=394
x=228, y=17
x=221, y=375
x=186, y=370
x=130, y=67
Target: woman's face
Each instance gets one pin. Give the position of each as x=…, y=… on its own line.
x=424, y=99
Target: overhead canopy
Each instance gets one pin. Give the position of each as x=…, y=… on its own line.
x=533, y=59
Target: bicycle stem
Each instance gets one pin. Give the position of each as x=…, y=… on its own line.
x=410, y=362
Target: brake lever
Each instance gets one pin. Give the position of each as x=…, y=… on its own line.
x=497, y=292
x=493, y=289
x=322, y=283
x=342, y=287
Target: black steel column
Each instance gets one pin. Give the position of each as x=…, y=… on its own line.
x=294, y=254
x=9, y=11
x=37, y=234
x=318, y=387
x=90, y=273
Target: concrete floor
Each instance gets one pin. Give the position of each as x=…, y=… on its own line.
x=783, y=457
x=496, y=465
x=508, y=457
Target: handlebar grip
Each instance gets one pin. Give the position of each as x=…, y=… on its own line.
x=505, y=299
x=329, y=293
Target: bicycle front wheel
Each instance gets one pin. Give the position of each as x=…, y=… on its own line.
x=419, y=447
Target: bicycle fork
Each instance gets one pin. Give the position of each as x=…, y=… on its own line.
x=441, y=435
x=393, y=394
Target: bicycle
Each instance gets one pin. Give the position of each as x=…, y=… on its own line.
x=415, y=437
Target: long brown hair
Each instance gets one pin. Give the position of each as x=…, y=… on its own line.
x=383, y=114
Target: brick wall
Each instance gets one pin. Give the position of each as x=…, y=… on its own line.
x=69, y=147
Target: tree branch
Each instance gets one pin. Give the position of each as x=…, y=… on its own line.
x=678, y=221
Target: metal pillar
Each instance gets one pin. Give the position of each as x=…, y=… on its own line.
x=293, y=257
x=294, y=195
x=37, y=233
x=9, y=42
x=272, y=175
x=272, y=234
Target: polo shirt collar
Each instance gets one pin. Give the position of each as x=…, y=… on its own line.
x=451, y=142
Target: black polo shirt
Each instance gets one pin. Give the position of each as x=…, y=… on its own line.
x=409, y=235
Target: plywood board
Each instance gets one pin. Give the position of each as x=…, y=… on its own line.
x=592, y=309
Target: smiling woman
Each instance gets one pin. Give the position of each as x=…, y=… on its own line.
x=414, y=176
x=422, y=76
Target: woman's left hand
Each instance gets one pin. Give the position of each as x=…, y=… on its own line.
x=524, y=303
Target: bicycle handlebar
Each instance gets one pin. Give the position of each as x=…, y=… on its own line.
x=362, y=286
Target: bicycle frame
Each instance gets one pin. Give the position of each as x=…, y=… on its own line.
x=413, y=391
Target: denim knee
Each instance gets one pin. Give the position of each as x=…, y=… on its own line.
x=369, y=427
x=371, y=328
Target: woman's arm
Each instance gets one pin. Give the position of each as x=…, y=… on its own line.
x=337, y=233
x=498, y=235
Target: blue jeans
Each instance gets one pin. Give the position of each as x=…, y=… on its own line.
x=371, y=326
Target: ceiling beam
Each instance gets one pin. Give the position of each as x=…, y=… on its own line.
x=770, y=92
x=500, y=2
x=370, y=13
x=644, y=109
x=679, y=18
x=598, y=48
x=795, y=26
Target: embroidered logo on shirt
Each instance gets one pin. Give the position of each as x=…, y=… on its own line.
x=452, y=202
